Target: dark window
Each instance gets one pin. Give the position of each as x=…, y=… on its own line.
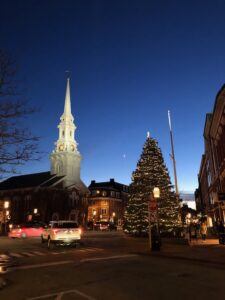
x=103, y=211
x=65, y=225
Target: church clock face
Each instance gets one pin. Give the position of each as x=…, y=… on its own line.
x=61, y=148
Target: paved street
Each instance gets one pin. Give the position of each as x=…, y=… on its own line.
x=113, y=266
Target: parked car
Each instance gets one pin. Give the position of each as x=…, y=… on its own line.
x=61, y=232
x=101, y=225
x=90, y=225
x=30, y=229
x=112, y=226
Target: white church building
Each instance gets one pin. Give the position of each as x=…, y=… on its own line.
x=55, y=194
x=65, y=158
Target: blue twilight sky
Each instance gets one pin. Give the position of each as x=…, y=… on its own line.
x=131, y=61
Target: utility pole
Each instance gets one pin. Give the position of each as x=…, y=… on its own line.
x=172, y=155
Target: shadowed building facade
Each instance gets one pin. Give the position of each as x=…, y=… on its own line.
x=210, y=195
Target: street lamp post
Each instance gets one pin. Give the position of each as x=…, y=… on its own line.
x=6, y=214
x=94, y=214
x=113, y=216
x=153, y=217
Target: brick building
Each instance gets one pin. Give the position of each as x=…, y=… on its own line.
x=107, y=201
x=41, y=196
x=210, y=196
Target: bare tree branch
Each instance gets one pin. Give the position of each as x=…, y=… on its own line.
x=17, y=144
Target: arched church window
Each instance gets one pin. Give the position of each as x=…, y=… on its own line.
x=70, y=133
x=63, y=133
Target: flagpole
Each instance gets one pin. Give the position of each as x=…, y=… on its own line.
x=173, y=157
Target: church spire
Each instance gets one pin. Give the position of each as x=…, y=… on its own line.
x=65, y=158
x=67, y=106
x=66, y=141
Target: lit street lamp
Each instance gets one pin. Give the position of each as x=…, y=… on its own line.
x=154, y=237
x=113, y=217
x=6, y=214
x=156, y=192
x=93, y=217
x=6, y=204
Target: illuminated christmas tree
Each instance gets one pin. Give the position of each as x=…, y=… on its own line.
x=151, y=172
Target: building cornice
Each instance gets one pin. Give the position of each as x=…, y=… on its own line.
x=218, y=113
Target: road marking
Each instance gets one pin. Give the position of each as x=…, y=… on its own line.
x=89, y=249
x=4, y=256
x=34, y=253
x=108, y=257
x=80, y=250
x=61, y=294
x=94, y=249
x=15, y=254
x=39, y=253
x=27, y=254
x=63, y=262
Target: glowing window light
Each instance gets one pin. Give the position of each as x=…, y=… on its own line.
x=156, y=192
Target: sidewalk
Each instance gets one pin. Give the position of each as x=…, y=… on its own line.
x=209, y=251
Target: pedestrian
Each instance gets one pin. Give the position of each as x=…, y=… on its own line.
x=221, y=227
x=198, y=229
x=203, y=231
x=190, y=232
x=221, y=232
x=196, y=232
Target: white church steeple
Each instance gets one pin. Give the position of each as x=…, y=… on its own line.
x=65, y=158
x=67, y=106
x=66, y=140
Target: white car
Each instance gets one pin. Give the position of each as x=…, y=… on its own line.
x=61, y=232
